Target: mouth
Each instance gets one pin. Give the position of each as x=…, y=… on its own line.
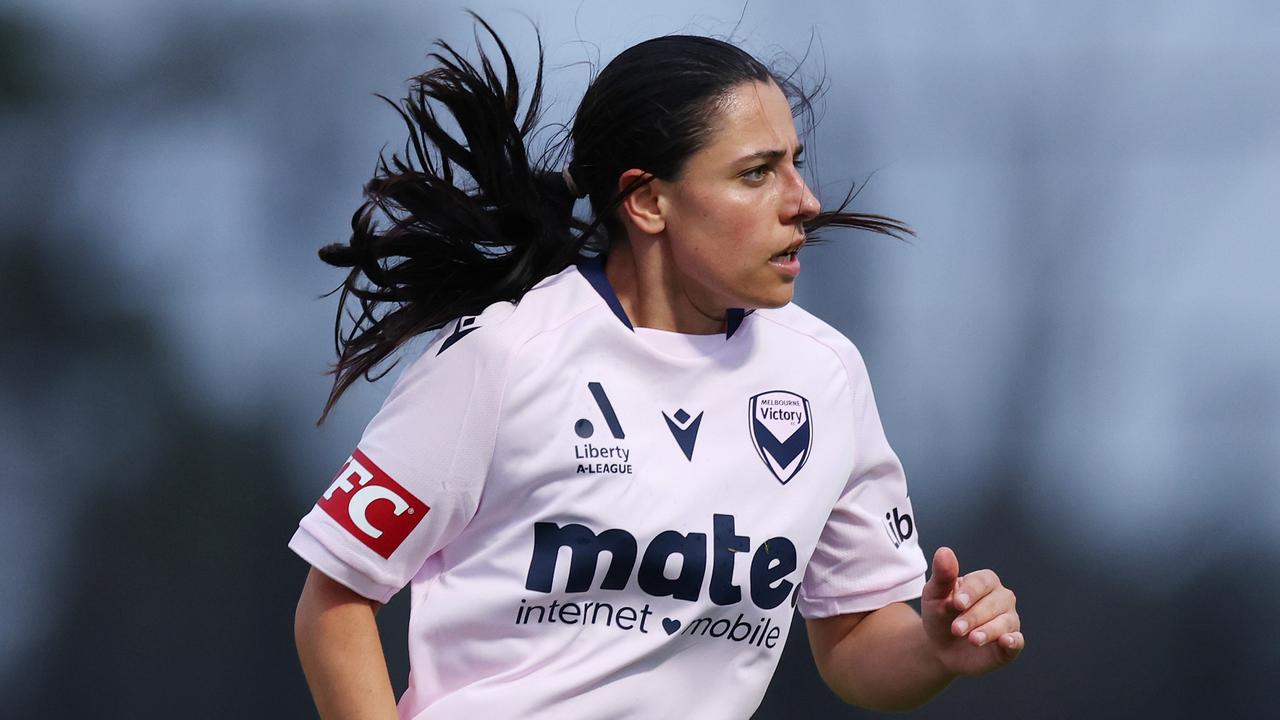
x=786, y=260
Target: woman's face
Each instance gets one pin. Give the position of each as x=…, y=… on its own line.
x=735, y=214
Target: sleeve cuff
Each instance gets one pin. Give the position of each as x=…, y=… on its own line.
x=309, y=548
x=812, y=608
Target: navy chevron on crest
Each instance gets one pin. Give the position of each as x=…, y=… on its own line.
x=782, y=431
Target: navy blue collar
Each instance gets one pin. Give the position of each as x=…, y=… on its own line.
x=593, y=270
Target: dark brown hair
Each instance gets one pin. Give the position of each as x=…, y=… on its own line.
x=474, y=220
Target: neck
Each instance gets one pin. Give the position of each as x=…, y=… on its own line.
x=654, y=294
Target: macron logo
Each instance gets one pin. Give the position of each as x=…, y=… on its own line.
x=371, y=506
x=684, y=429
x=464, y=327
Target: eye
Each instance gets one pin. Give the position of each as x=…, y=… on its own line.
x=798, y=162
x=755, y=174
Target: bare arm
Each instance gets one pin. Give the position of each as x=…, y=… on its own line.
x=878, y=660
x=341, y=652
x=893, y=659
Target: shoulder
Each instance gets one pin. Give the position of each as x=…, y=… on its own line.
x=490, y=340
x=805, y=327
x=464, y=369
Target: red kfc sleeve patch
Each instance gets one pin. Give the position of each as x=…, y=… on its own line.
x=377, y=510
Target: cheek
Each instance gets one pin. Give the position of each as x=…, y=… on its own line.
x=720, y=239
x=724, y=223
x=721, y=246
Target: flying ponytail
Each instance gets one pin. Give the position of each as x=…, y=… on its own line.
x=469, y=221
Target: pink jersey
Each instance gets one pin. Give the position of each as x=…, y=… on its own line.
x=599, y=521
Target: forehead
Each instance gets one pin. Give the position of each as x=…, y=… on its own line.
x=752, y=117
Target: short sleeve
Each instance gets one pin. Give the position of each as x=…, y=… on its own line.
x=868, y=554
x=414, y=480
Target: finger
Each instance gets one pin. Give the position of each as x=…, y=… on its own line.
x=946, y=569
x=974, y=586
x=1012, y=644
x=985, y=610
x=1001, y=625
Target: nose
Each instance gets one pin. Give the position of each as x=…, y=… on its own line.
x=801, y=203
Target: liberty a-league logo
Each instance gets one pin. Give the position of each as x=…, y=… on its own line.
x=782, y=431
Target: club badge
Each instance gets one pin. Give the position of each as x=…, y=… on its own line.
x=782, y=432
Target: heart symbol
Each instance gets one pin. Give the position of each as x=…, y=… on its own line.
x=670, y=625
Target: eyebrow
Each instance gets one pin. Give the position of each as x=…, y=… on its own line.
x=771, y=155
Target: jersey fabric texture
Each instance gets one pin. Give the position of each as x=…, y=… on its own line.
x=602, y=521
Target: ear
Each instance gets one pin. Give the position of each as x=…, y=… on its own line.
x=642, y=208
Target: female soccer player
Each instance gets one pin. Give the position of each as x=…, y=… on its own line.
x=627, y=457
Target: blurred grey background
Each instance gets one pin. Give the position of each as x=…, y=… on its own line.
x=1078, y=359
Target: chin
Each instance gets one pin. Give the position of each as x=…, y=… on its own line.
x=776, y=299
